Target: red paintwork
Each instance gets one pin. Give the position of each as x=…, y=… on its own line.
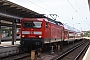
x=32, y=29
x=53, y=30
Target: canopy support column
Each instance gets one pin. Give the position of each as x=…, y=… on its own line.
x=13, y=32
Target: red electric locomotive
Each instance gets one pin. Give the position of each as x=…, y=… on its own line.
x=35, y=32
x=39, y=31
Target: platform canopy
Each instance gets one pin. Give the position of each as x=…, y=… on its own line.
x=11, y=10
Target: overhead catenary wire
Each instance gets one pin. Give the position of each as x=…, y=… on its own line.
x=79, y=7
x=75, y=9
x=72, y=6
x=50, y=11
x=44, y=8
x=39, y=6
x=51, y=8
x=48, y=6
x=80, y=10
x=77, y=12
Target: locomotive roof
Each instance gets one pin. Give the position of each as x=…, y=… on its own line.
x=54, y=21
x=46, y=19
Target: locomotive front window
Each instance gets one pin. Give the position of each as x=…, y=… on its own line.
x=32, y=24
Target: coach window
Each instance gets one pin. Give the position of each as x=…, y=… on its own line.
x=46, y=24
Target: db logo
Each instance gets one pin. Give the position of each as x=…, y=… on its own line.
x=31, y=32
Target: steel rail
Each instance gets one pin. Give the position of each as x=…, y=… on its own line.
x=68, y=51
x=22, y=57
x=81, y=52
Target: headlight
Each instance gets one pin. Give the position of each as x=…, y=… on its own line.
x=23, y=35
x=40, y=36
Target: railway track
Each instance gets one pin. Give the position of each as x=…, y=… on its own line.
x=8, y=50
x=48, y=56
x=74, y=53
x=18, y=56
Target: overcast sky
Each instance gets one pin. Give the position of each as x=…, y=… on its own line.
x=74, y=13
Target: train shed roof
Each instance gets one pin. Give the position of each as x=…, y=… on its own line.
x=10, y=12
x=11, y=9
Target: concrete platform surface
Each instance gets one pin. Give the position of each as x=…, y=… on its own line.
x=9, y=43
x=87, y=55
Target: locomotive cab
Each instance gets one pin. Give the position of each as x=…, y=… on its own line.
x=32, y=32
x=31, y=29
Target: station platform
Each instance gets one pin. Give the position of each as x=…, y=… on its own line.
x=6, y=48
x=87, y=55
x=6, y=41
x=9, y=43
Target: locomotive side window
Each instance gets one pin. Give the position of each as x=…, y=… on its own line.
x=46, y=24
x=32, y=24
